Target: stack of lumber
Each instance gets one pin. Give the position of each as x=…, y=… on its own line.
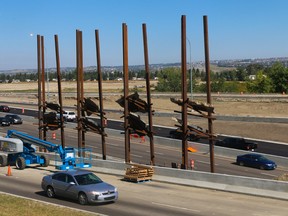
x=138, y=173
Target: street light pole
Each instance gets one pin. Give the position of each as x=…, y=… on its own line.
x=191, y=86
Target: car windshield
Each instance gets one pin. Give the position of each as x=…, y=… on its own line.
x=87, y=179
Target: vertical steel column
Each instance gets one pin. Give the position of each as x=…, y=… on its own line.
x=126, y=92
x=100, y=94
x=184, y=92
x=44, y=129
x=39, y=84
x=81, y=84
x=147, y=73
x=207, y=67
x=79, y=102
x=59, y=89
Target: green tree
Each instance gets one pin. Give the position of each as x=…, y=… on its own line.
x=279, y=76
x=241, y=74
x=262, y=84
x=169, y=80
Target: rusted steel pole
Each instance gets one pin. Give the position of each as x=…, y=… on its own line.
x=147, y=76
x=39, y=85
x=102, y=119
x=126, y=92
x=81, y=84
x=44, y=129
x=208, y=84
x=59, y=89
x=79, y=103
x=184, y=93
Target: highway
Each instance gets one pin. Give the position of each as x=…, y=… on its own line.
x=140, y=152
x=267, y=147
x=148, y=198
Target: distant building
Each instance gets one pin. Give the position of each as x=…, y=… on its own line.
x=252, y=77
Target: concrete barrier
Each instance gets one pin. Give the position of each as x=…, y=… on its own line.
x=239, y=184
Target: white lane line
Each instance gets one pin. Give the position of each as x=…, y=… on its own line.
x=269, y=174
x=176, y=207
x=157, y=153
x=205, y=162
x=139, y=156
x=112, y=144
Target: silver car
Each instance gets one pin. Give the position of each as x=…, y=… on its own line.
x=81, y=185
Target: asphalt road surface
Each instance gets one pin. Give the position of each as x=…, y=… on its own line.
x=265, y=147
x=148, y=198
x=140, y=152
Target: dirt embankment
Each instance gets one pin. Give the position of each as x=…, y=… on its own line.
x=240, y=105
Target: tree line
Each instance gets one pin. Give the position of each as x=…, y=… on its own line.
x=254, y=78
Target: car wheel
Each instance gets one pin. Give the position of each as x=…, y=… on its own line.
x=241, y=163
x=20, y=163
x=262, y=167
x=82, y=198
x=50, y=192
x=3, y=160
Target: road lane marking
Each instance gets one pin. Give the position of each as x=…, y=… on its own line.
x=139, y=156
x=112, y=144
x=176, y=207
x=269, y=175
x=157, y=153
x=205, y=162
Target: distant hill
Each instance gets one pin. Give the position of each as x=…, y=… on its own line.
x=216, y=65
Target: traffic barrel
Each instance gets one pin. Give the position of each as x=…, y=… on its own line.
x=54, y=135
x=9, y=172
x=192, y=163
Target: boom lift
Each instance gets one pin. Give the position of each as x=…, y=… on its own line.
x=27, y=155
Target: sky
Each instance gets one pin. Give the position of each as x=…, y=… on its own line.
x=238, y=29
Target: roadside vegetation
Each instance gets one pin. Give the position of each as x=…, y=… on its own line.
x=253, y=78
x=283, y=177
x=14, y=206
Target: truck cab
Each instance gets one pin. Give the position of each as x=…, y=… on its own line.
x=68, y=116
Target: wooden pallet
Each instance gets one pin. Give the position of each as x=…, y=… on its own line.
x=138, y=173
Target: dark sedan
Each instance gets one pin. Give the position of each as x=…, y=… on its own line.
x=256, y=160
x=4, y=108
x=80, y=185
x=14, y=119
x=4, y=121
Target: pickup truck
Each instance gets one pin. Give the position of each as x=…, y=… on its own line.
x=68, y=116
x=237, y=143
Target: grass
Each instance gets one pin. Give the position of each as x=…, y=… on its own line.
x=15, y=206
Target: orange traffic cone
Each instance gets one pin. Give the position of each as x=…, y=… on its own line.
x=53, y=135
x=9, y=173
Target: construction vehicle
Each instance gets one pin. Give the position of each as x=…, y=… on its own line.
x=19, y=148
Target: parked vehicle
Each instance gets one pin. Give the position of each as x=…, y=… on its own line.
x=177, y=134
x=14, y=119
x=256, y=160
x=4, y=121
x=4, y=108
x=237, y=143
x=80, y=185
x=67, y=116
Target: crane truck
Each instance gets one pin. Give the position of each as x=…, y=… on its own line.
x=18, y=148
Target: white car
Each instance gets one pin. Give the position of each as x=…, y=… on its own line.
x=68, y=115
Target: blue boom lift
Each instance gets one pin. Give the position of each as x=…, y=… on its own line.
x=69, y=156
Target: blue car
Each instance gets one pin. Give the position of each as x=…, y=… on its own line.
x=256, y=160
